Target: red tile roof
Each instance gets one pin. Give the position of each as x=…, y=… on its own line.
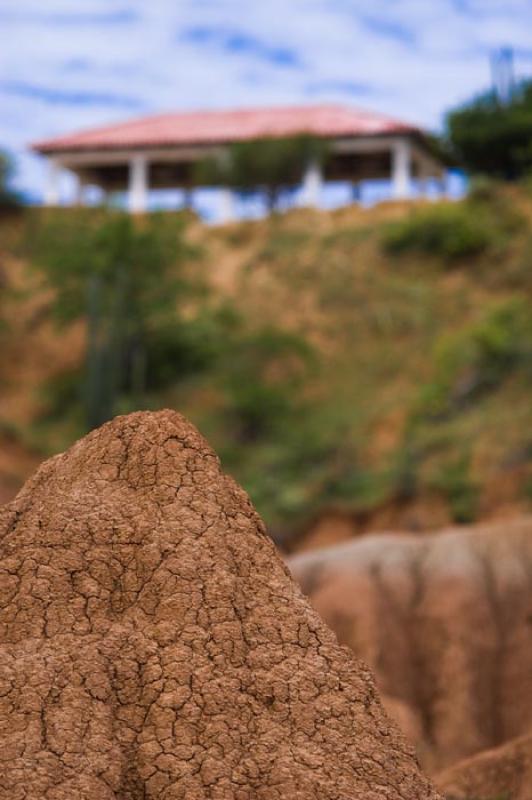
x=217, y=127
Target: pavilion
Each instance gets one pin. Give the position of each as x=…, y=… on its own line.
x=160, y=152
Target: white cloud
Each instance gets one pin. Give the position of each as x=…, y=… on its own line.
x=410, y=58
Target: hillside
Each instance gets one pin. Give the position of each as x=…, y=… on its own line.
x=380, y=373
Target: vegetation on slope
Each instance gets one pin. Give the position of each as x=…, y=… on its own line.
x=355, y=360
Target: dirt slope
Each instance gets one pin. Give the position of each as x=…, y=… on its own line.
x=153, y=645
x=444, y=620
x=414, y=408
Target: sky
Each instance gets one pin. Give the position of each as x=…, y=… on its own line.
x=69, y=64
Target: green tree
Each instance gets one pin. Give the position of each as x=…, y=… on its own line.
x=268, y=164
x=263, y=373
x=122, y=275
x=491, y=138
x=9, y=199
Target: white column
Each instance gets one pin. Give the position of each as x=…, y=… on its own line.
x=51, y=192
x=227, y=205
x=401, y=169
x=312, y=185
x=138, y=184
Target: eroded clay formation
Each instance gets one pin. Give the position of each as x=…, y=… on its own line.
x=445, y=622
x=504, y=773
x=153, y=645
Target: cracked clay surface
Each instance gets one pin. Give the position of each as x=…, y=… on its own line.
x=153, y=645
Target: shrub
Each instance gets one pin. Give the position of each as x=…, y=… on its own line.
x=479, y=357
x=454, y=481
x=451, y=232
x=187, y=346
x=483, y=189
x=261, y=377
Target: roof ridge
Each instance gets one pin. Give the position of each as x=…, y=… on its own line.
x=222, y=125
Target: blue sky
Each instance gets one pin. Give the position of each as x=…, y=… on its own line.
x=67, y=64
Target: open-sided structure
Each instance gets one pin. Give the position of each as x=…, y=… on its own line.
x=160, y=152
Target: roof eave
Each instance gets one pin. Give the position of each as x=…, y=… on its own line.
x=61, y=147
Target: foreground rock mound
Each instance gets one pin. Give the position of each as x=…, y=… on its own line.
x=153, y=645
x=505, y=772
x=445, y=621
